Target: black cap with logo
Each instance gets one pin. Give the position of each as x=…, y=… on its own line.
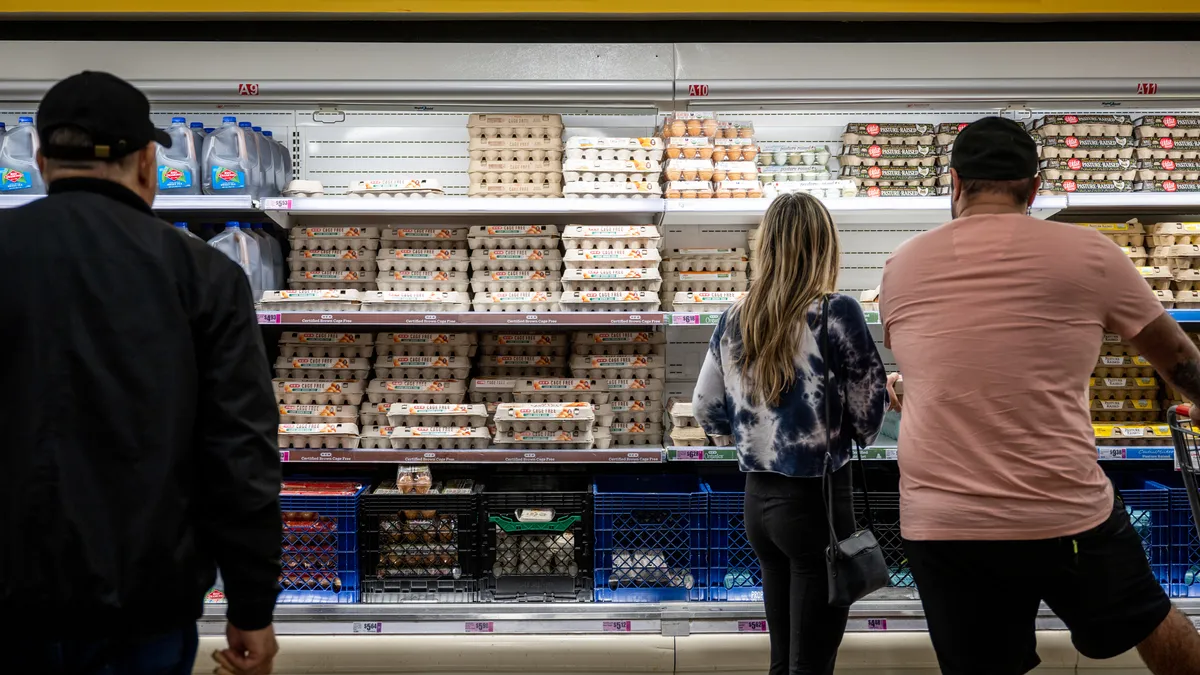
x=114, y=113
x=994, y=148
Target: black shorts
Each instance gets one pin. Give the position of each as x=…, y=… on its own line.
x=981, y=598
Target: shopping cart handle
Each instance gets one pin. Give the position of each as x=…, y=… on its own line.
x=1183, y=409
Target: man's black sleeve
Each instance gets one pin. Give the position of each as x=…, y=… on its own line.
x=236, y=427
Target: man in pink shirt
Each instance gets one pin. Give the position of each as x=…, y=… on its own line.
x=996, y=321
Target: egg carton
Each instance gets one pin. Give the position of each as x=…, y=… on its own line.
x=1130, y=233
x=559, y=390
x=716, y=281
x=318, y=436
x=609, y=301
x=1168, y=126
x=491, y=390
x=553, y=417
x=1059, y=187
x=911, y=176
x=705, y=302
x=735, y=171
x=417, y=280
x=800, y=174
x=689, y=169
x=516, y=259
x=607, y=237
x=1168, y=186
x=545, y=171
x=1181, y=256
x=334, y=238
x=326, y=344
x=634, y=411
x=321, y=368
x=304, y=188
x=1089, y=169
x=577, y=258
x=418, y=188
x=636, y=434
x=611, y=171
x=415, y=301
x=688, y=189
x=904, y=191
x=536, y=301
x=609, y=149
x=799, y=156
x=426, y=260
x=1087, y=147
x=738, y=189
x=612, y=280
x=422, y=367
x=947, y=132
x=1185, y=280
x=416, y=391
x=437, y=415
x=355, y=280
x=510, y=150
x=292, y=413
x=1138, y=255
x=737, y=150
x=891, y=155
x=1145, y=417
x=374, y=414
x=508, y=125
x=615, y=343
x=513, y=237
x=888, y=133
x=687, y=123
x=705, y=260
x=323, y=392
x=1122, y=388
x=315, y=300
x=1166, y=297
x=514, y=190
x=619, y=366
x=626, y=190
x=547, y=439
x=426, y=343
x=1158, y=276
x=1122, y=366
x=521, y=365
x=422, y=237
x=1168, y=148
x=626, y=390
x=1083, y=125
x=375, y=437
x=1187, y=299
x=682, y=415
x=1168, y=169
x=440, y=438
x=521, y=344
x=1111, y=345
x=832, y=189
x=689, y=437
x=347, y=260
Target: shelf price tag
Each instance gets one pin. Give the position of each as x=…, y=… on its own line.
x=685, y=319
x=276, y=204
x=480, y=627
x=368, y=627
x=752, y=626
x=876, y=624
x=618, y=626
x=269, y=318
x=689, y=455
x=285, y=455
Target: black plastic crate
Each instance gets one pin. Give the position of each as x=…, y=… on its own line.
x=537, y=561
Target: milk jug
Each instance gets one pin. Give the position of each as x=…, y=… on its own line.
x=178, y=165
x=254, y=168
x=19, y=174
x=266, y=164
x=227, y=166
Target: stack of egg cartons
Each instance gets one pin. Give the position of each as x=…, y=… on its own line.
x=505, y=358
x=421, y=269
x=333, y=258
x=1176, y=243
x=611, y=268
x=515, y=268
x=1131, y=236
x=1123, y=388
x=550, y=413
x=612, y=168
x=685, y=432
x=1086, y=153
x=515, y=155
x=707, y=158
x=631, y=366
x=892, y=159
x=705, y=280
x=319, y=387
x=1168, y=153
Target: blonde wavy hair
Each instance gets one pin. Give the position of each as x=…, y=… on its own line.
x=797, y=263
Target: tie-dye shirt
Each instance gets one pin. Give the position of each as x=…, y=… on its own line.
x=789, y=439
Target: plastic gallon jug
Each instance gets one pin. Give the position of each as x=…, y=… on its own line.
x=183, y=228
x=255, y=168
x=279, y=179
x=197, y=129
x=272, y=257
x=266, y=164
x=179, y=165
x=227, y=166
x=19, y=174
x=237, y=244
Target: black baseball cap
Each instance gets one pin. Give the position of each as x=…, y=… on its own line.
x=114, y=113
x=994, y=148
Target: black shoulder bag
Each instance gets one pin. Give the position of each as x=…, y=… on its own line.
x=855, y=565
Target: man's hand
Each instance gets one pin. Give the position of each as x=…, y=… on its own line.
x=894, y=402
x=251, y=652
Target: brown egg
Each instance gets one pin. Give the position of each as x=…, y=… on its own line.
x=731, y=132
x=706, y=174
x=719, y=175
x=672, y=193
x=749, y=152
x=673, y=152
x=710, y=128
x=739, y=194
x=722, y=193
x=706, y=151
x=689, y=194
x=689, y=174
x=693, y=127
x=689, y=152
x=678, y=128
x=704, y=195
x=735, y=153
x=754, y=194
x=718, y=154
x=673, y=174
x=746, y=132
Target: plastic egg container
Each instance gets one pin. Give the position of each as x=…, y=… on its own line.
x=396, y=189
x=321, y=368
x=636, y=434
x=492, y=391
x=426, y=344
x=621, y=366
x=633, y=411
x=1168, y=186
x=688, y=189
x=334, y=238
x=567, y=417
x=689, y=169
x=535, y=301
x=546, y=439
x=626, y=190
x=437, y=415
x=414, y=301
x=417, y=280
x=317, y=300
x=523, y=344
x=608, y=149
x=705, y=260
x=736, y=150
x=494, y=260
x=1083, y=125
x=1087, y=147
x=914, y=176
x=440, y=438
x=705, y=302
x=682, y=415
x=1186, y=280
x=323, y=392
x=616, y=343
x=513, y=237
x=560, y=390
x=425, y=260
x=1168, y=169
x=879, y=155
x=720, y=280
x=416, y=391
x=515, y=281
x=318, y=436
x=609, y=301
x=423, y=237
x=689, y=437
x=508, y=150
x=1123, y=366
x=1168, y=148
x=326, y=344
x=612, y=280
x=1168, y=126
x=375, y=437
x=582, y=259
x=374, y=414
x=888, y=133
x=521, y=365
x=609, y=237
x=422, y=367
x=610, y=170
x=346, y=260
x=355, y=280
x=690, y=124
x=680, y=147
x=1122, y=388
x=291, y=413
x=633, y=390
x=735, y=171
x=738, y=189
x=1130, y=233
x=516, y=127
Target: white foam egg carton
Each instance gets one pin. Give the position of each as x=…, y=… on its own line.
x=636, y=411
x=535, y=301
x=425, y=343
x=624, y=149
x=627, y=279
x=374, y=414
x=682, y=414
x=415, y=301
x=515, y=190
x=513, y=236
x=416, y=391
x=548, y=439
x=294, y=413
x=520, y=344
x=318, y=436
x=609, y=301
x=422, y=367
x=717, y=280
x=633, y=390
x=619, y=342
x=502, y=281
x=621, y=366
x=514, y=150
x=440, y=438
x=402, y=236
x=705, y=302
x=506, y=259
x=355, y=280
x=346, y=260
x=487, y=172
x=304, y=188
x=321, y=368
x=544, y=417
x=437, y=415
x=520, y=365
x=582, y=259
x=504, y=125
x=396, y=189
x=418, y=280
x=559, y=390
x=611, y=170
x=636, y=434
x=323, y=392
x=423, y=259
x=705, y=260
x=605, y=237
x=311, y=300
x=492, y=390
x=375, y=437
x=612, y=190
x=334, y=238
x=326, y=344
x=689, y=437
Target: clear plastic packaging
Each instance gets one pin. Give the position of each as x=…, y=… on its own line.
x=290, y=413
x=577, y=259
x=611, y=171
x=735, y=171
x=606, y=237
x=738, y=189
x=321, y=368
x=526, y=281
x=323, y=392
x=609, y=301
x=422, y=367
x=491, y=390
x=440, y=438
x=688, y=189
x=426, y=344
x=416, y=391
x=342, y=279
x=689, y=170
x=513, y=237
x=616, y=343
x=705, y=302
x=414, y=301
x=318, y=436
x=521, y=365
x=427, y=260
x=735, y=150
x=347, y=260
x=316, y=300
x=537, y=301
x=544, y=417
x=494, y=260
x=408, y=280
x=612, y=280
x=620, y=367
x=560, y=389
x=626, y=190
x=689, y=124
x=624, y=149
x=413, y=479
x=326, y=344
x=334, y=238
x=437, y=415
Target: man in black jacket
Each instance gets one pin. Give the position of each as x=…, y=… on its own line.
x=140, y=455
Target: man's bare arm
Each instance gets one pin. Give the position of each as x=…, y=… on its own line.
x=1173, y=354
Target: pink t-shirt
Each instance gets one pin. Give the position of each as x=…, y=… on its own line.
x=996, y=323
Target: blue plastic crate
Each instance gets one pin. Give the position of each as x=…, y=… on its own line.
x=1185, y=548
x=651, y=539
x=320, y=561
x=734, y=573
x=1148, y=504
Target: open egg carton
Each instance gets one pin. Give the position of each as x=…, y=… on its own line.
x=612, y=280
x=321, y=368
x=426, y=343
x=888, y=133
x=705, y=260
x=521, y=365
x=294, y=413
x=541, y=417
x=422, y=367
x=583, y=259
x=619, y=343
x=515, y=155
x=705, y=302
x=611, y=170
x=618, y=366
x=524, y=237
x=404, y=237
x=423, y=259
x=636, y=434
x=560, y=390
x=363, y=281
x=348, y=238
x=318, y=436
x=510, y=281
x=552, y=439
x=440, y=438
x=322, y=392
x=611, y=237
x=905, y=176
x=1089, y=169
x=1087, y=147
x=1168, y=148
x=1141, y=410
x=415, y=301
x=492, y=391
x=1083, y=126
x=609, y=301
x=626, y=190
x=592, y=148
x=1122, y=388
x=326, y=344
x=1168, y=169
x=418, y=188
x=701, y=282
x=375, y=437
x=338, y=260
x=1068, y=186
x=418, y=280
x=517, y=301
x=313, y=300
x=1167, y=126
x=437, y=415
x=416, y=391
x=872, y=154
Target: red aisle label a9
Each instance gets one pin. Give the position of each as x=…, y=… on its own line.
x=248, y=89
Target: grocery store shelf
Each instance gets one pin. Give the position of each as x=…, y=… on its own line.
x=465, y=210
x=1142, y=202
x=643, y=455
x=211, y=203
x=462, y=319
x=885, y=453
x=1185, y=315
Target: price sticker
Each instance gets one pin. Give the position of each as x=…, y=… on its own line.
x=269, y=318
x=689, y=455
x=276, y=204
x=685, y=319
x=876, y=624
x=285, y=455
x=618, y=626
x=752, y=626
x=368, y=627
x=480, y=627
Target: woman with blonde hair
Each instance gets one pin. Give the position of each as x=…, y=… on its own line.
x=786, y=358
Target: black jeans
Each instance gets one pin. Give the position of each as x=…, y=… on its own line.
x=785, y=521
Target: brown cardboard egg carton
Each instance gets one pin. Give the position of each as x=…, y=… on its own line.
x=626, y=190
x=947, y=132
x=608, y=149
x=1177, y=257
x=414, y=188
x=416, y=391
x=636, y=434
x=1185, y=280
x=1166, y=297
x=544, y=172
x=559, y=390
x=1130, y=233
x=1168, y=126
x=578, y=258
x=567, y=417
x=415, y=301
x=1168, y=148
x=1083, y=126
x=516, y=259
x=1169, y=186
x=1158, y=276
x=422, y=367
x=1087, y=147
x=1122, y=366
x=1138, y=255
x=1122, y=388
x=535, y=301
x=1168, y=169
x=422, y=237
x=423, y=259
x=334, y=238
x=611, y=170
x=323, y=392
x=516, y=124
x=619, y=343
x=347, y=260
x=440, y=438
x=515, y=151
x=888, y=133
x=520, y=344
x=619, y=366
x=375, y=437
x=492, y=390
x=1125, y=413
x=521, y=365
x=904, y=191
x=892, y=155
x=426, y=343
x=1088, y=169
x=719, y=280
x=326, y=344
x=363, y=281
x=1187, y=299
x=321, y=368
x=515, y=190
x=515, y=281
x=609, y=301
x=330, y=435
x=689, y=437
x=612, y=280
x=416, y=280
x=910, y=176
x=290, y=413
x=549, y=439
x=1067, y=186
x=437, y=415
